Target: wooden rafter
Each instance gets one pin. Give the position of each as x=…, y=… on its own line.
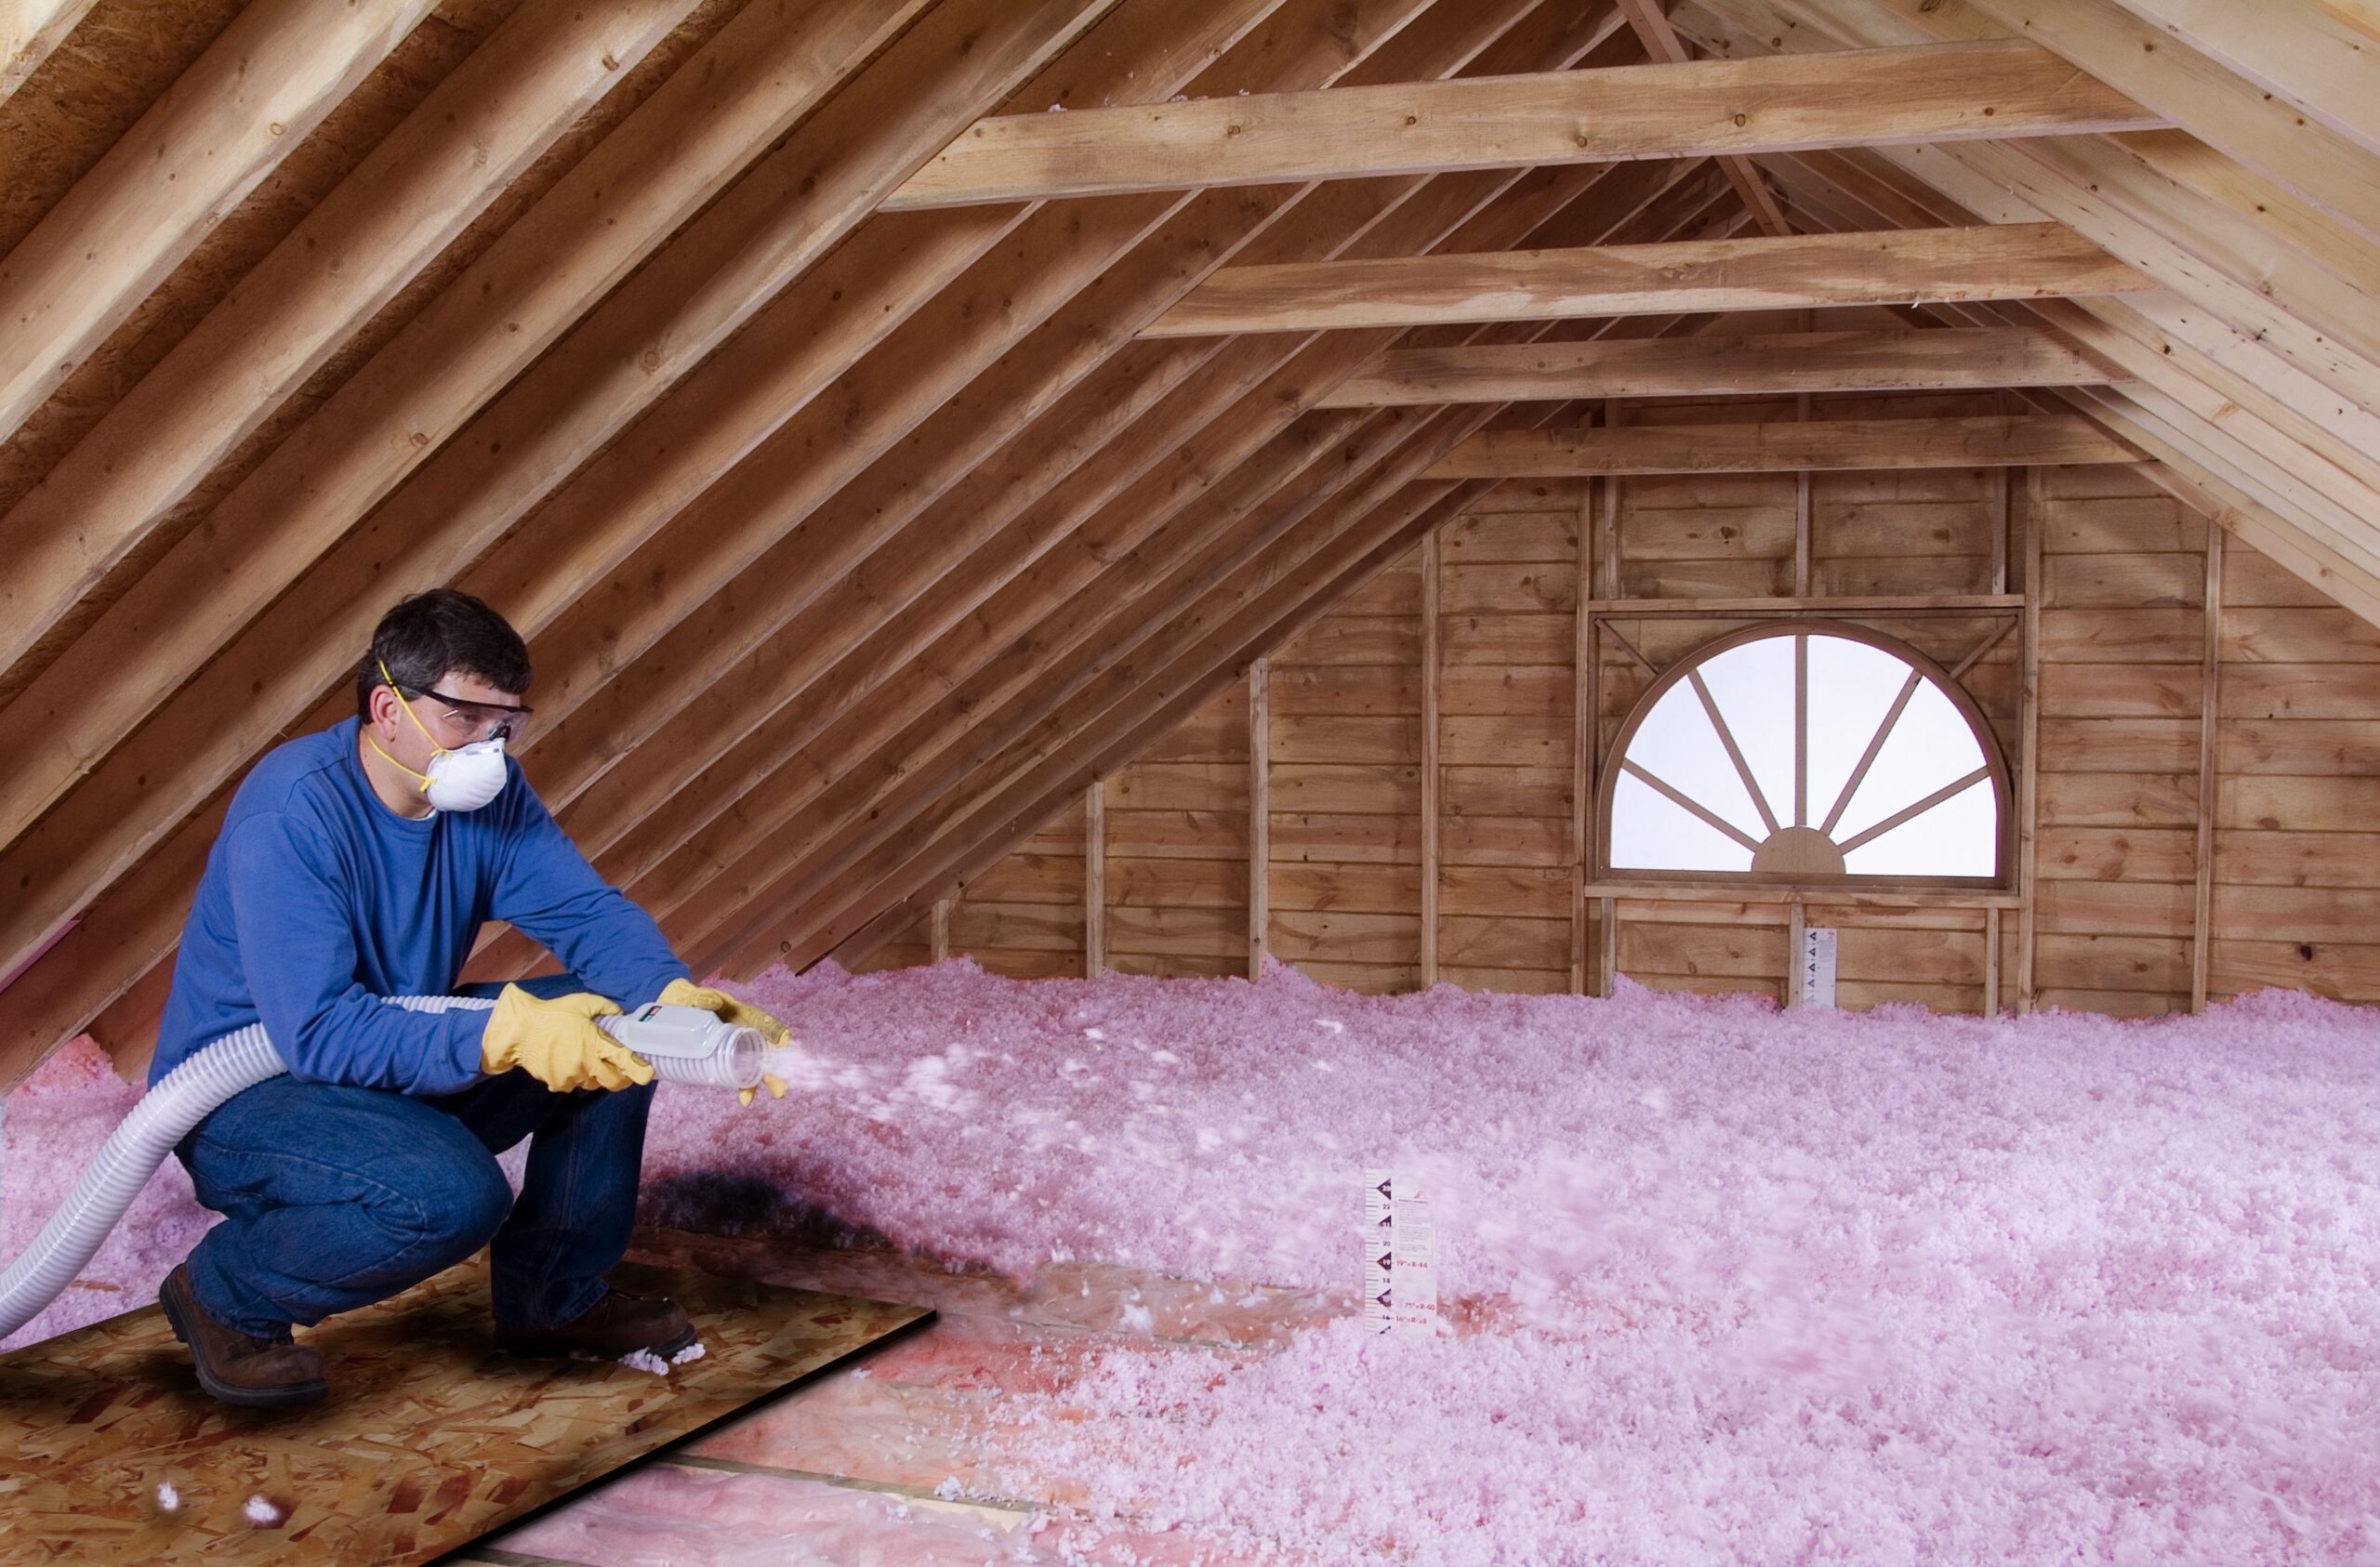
x=1994, y=261
x=29, y=30
x=433, y=175
x=1661, y=42
x=2316, y=58
x=2233, y=115
x=222, y=128
x=1661, y=110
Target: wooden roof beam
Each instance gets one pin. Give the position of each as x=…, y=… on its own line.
x=1992, y=261
x=29, y=30
x=1661, y=110
x=2227, y=376
x=2309, y=513
x=980, y=425
x=2211, y=101
x=2318, y=58
x=1724, y=365
x=224, y=124
x=433, y=175
x=2248, y=250
x=1661, y=43
x=1987, y=441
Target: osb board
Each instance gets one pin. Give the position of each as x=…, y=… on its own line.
x=430, y=1437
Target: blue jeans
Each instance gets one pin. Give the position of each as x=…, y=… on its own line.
x=337, y=1197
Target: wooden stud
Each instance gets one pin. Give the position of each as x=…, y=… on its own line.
x=938, y=931
x=1608, y=517
x=2001, y=504
x=1795, y=927
x=2209, y=781
x=1995, y=261
x=1610, y=946
x=1801, y=510
x=2028, y=726
x=1094, y=879
x=1431, y=568
x=1991, y=962
x=1584, y=720
x=1259, y=814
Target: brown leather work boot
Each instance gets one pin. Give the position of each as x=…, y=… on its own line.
x=620, y=1323
x=253, y=1372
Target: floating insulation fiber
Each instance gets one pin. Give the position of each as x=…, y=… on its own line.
x=430, y=1437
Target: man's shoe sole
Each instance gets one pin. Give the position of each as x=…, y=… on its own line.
x=246, y=1398
x=562, y=1348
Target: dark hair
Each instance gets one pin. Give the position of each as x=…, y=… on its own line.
x=431, y=633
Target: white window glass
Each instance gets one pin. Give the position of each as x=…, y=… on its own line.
x=1890, y=780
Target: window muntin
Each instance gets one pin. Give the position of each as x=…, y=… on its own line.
x=1891, y=775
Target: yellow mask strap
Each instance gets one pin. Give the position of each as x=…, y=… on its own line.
x=436, y=749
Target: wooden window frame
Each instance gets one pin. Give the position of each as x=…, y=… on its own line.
x=1850, y=885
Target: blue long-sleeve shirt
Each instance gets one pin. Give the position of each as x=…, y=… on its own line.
x=317, y=898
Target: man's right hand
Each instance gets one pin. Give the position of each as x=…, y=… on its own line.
x=557, y=1042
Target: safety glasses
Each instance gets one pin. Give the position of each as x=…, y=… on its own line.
x=475, y=721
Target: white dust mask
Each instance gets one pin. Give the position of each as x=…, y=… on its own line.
x=467, y=779
x=463, y=780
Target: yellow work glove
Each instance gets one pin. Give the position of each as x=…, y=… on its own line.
x=685, y=992
x=557, y=1042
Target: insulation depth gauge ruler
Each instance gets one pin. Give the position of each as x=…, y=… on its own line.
x=1400, y=1255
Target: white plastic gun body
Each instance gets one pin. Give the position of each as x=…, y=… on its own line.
x=682, y=1043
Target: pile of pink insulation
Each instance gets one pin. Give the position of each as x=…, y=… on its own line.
x=1729, y=1283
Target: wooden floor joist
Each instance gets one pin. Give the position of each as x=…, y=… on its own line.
x=1994, y=261
x=1982, y=441
x=1723, y=365
x=1658, y=111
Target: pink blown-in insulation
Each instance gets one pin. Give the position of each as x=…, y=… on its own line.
x=1729, y=1283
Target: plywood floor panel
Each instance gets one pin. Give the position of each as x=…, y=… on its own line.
x=431, y=1437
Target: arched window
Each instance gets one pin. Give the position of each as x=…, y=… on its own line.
x=1806, y=752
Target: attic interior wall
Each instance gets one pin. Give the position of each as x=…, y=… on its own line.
x=2120, y=600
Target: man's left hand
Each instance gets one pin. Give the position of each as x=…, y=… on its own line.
x=685, y=992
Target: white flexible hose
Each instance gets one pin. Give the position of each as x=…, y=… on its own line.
x=180, y=1100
